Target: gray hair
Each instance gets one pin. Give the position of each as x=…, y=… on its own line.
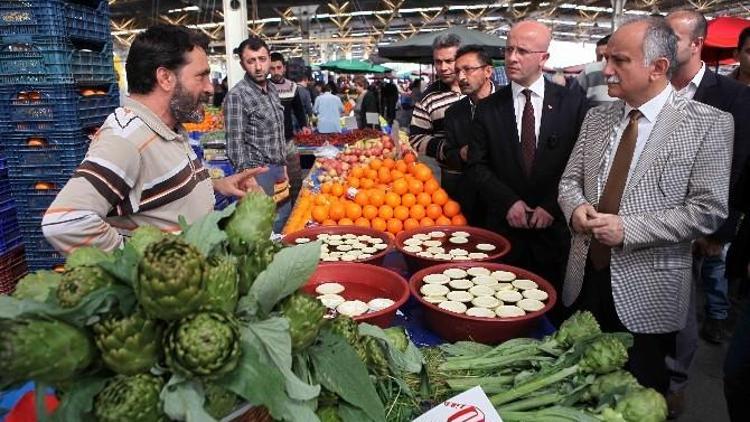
x=446, y=41
x=658, y=42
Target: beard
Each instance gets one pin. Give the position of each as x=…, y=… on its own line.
x=185, y=107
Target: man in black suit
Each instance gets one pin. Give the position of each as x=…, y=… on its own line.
x=696, y=81
x=523, y=135
x=474, y=72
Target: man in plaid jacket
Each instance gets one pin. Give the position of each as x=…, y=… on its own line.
x=648, y=175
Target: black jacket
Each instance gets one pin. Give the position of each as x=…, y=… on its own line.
x=369, y=105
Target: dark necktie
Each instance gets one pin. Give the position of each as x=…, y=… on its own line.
x=609, y=203
x=528, y=134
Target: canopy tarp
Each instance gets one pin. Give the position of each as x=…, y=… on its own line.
x=354, y=66
x=721, y=40
x=418, y=49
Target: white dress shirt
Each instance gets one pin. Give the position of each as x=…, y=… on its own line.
x=537, y=100
x=650, y=111
x=689, y=90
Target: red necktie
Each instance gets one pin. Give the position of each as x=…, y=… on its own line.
x=618, y=175
x=528, y=134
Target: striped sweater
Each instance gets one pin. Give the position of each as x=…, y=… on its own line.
x=137, y=171
x=427, y=132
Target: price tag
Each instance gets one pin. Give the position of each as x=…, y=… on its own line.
x=470, y=406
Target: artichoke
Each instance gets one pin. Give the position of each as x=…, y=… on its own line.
x=42, y=350
x=617, y=382
x=219, y=401
x=305, y=315
x=377, y=361
x=143, y=236
x=643, y=405
x=328, y=414
x=605, y=354
x=251, y=265
x=348, y=329
x=251, y=223
x=78, y=282
x=86, y=256
x=129, y=345
x=38, y=286
x=133, y=398
x=221, y=283
x=204, y=344
x=170, y=281
x=579, y=326
x=397, y=337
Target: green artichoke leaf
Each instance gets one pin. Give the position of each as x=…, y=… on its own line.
x=349, y=413
x=272, y=339
x=247, y=308
x=86, y=256
x=78, y=403
x=289, y=270
x=407, y=361
x=183, y=400
x=263, y=385
x=205, y=233
x=101, y=301
x=124, y=266
x=39, y=286
x=339, y=369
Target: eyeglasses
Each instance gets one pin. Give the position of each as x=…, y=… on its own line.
x=469, y=69
x=520, y=51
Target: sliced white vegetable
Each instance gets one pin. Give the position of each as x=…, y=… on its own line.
x=436, y=250
x=461, y=258
x=434, y=299
x=486, y=302
x=363, y=238
x=412, y=249
x=331, y=301
x=460, y=296
x=510, y=296
x=499, y=287
x=412, y=242
x=344, y=248
x=460, y=234
x=425, y=254
x=437, y=234
x=328, y=258
x=461, y=284
x=431, y=243
x=378, y=304
x=484, y=280
x=348, y=258
x=444, y=257
x=509, y=311
x=458, y=240
x=301, y=240
x=349, y=236
x=322, y=236
x=504, y=276
x=480, y=312
x=329, y=288
x=436, y=278
x=358, y=245
x=452, y=306
x=434, y=290
x=478, y=255
x=377, y=241
x=421, y=236
x=486, y=247
x=455, y=273
x=369, y=250
x=530, y=305
x=524, y=284
x=380, y=246
x=482, y=291
x=535, y=294
x=352, y=308
x=354, y=252
x=459, y=252
x=365, y=255
x=475, y=271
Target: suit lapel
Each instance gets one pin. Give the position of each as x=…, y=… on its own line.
x=550, y=112
x=705, y=92
x=665, y=125
x=599, y=141
x=508, y=124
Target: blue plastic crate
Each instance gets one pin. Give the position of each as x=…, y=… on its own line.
x=36, y=264
x=37, y=247
x=56, y=18
x=30, y=154
x=10, y=231
x=34, y=196
x=31, y=109
x=42, y=60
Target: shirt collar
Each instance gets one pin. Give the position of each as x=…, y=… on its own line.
x=492, y=91
x=699, y=76
x=254, y=85
x=537, y=87
x=652, y=107
x=152, y=120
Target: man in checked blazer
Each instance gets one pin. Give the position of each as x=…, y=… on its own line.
x=648, y=175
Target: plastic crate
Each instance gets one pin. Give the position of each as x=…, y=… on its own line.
x=35, y=60
x=38, y=249
x=30, y=109
x=12, y=268
x=35, y=264
x=34, y=196
x=56, y=18
x=31, y=154
x=10, y=232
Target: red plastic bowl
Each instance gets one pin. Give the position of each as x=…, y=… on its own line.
x=415, y=262
x=312, y=232
x=363, y=282
x=454, y=327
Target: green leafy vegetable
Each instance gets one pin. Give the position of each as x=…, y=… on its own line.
x=205, y=233
x=184, y=400
x=40, y=286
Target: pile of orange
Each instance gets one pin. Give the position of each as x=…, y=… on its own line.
x=388, y=195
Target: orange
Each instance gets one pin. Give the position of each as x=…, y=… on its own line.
x=408, y=200
x=459, y=220
x=394, y=226
x=371, y=174
x=431, y=186
x=385, y=211
x=401, y=212
x=409, y=157
x=389, y=163
x=451, y=209
x=369, y=212
x=377, y=198
x=392, y=199
x=337, y=211
x=424, y=199
x=379, y=224
x=417, y=211
x=362, y=222
x=358, y=171
x=361, y=198
x=395, y=174
x=382, y=186
x=400, y=186
x=427, y=221
x=401, y=166
x=353, y=211
x=329, y=222
x=411, y=223
x=384, y=175
x=422, y=172
x=346, y=222
x=441, y=221
x=440, y=197
x=434, y=211
x=321, y=200
x=376, y=163
x=326, y=187
x=320, y=213
x=366, y=183
x=415, y=187
x=337, y=189
x=353, y=182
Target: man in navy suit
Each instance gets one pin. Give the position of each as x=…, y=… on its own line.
x=522, y=138
x=694, y=80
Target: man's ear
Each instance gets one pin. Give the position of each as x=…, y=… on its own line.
x=166, y=79
x=661, y=66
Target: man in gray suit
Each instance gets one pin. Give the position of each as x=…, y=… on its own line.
x=648, y=175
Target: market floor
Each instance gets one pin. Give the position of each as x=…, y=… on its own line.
x=704, y=397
